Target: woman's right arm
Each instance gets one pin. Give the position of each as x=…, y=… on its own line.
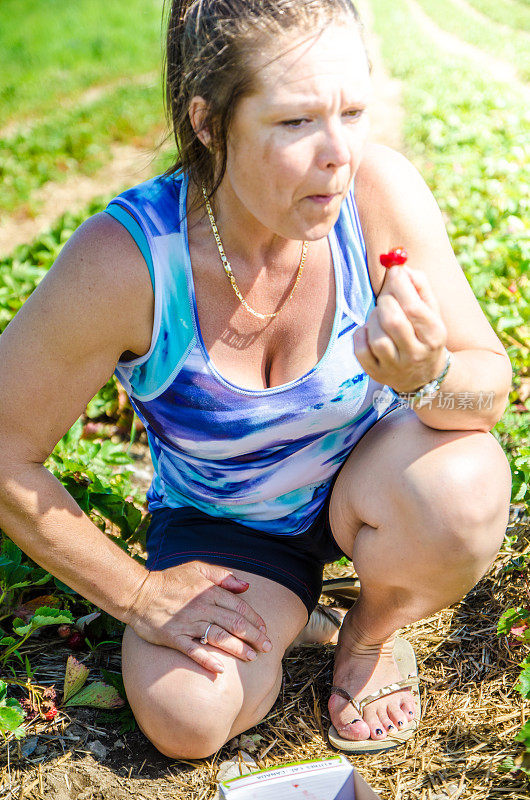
x=95, y=303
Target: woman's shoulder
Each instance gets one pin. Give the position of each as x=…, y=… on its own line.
x=393, y=201
x=389, y=189
x=108, y=256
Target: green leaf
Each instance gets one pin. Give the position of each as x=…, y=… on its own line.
x=115, y=679
x=523, y=685
x=10, y=551
x=63, y=587
x=10, y=718
x=43, y=616
x=97, y=695
x=509, y=618
x=74, y=677
x=3, y=692
x=524, y=735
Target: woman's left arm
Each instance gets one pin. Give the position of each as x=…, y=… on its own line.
x=426, y=305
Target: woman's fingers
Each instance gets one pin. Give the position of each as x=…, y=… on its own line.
x=423, y=287
x=237, y=623
x=198, y=653
x=382, y=347
x=417, y=301
x=390, y=334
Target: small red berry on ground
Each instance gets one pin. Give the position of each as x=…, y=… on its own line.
x=76, y=641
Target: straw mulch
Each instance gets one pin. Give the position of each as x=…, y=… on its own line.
x=470, y=714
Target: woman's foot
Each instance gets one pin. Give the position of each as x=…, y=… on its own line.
x=362, y=668
x=320, y=629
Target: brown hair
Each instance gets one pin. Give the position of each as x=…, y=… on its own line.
x=209, y=44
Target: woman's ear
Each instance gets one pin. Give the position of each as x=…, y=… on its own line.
x=198, y=113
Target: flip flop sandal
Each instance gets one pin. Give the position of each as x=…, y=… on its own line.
x=326, y=611
x=406, y=662
x=344, y=591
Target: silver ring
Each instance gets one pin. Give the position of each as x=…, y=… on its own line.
x=204, y=639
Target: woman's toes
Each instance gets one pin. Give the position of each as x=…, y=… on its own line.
x=408, y=709
x=377, y=729
x=386, y=722
x=398, y=717
x=357, y=730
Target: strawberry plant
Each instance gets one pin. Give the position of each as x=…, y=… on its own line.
x=11, y=715
x=469, y=138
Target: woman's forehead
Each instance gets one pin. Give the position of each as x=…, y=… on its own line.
x=331, y=60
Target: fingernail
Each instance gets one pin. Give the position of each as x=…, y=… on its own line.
x=218, y=667
x=251, y=655
x=263, y=628
x=267, y=646
x=354, y=720
x=378, y=731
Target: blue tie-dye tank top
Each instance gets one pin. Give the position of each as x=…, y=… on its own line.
x=264, y=458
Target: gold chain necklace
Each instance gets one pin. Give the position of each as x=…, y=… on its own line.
x=228, y=269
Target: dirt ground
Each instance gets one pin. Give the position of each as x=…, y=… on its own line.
x=470, y=711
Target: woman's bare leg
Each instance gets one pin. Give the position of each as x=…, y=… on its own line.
x=423, y=513
x=187, y=711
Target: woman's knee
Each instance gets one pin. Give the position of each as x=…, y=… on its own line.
x=463, y=498
x=185, y=711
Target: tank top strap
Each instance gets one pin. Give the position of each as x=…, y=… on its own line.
x=152, y=213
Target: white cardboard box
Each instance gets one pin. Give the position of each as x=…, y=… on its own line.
x=331, y=778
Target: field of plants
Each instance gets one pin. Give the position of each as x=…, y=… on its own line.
x=67, y=101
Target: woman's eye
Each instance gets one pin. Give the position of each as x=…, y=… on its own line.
x=293, y=123
x=354, y=113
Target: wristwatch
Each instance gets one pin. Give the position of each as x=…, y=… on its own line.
x=428, y=389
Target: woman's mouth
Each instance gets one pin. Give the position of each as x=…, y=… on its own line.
x=321, y=199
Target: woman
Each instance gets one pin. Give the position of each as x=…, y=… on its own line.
x=241, y=302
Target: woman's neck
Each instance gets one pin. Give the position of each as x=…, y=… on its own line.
x=243, y=237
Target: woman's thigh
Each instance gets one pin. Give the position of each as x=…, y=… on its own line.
x=189, y=712
x=404, y=471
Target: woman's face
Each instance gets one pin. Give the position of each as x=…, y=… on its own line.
x=295, y=144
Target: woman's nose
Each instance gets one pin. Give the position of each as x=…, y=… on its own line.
x=334, y=150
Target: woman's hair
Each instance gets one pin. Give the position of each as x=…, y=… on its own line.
x=211, y=47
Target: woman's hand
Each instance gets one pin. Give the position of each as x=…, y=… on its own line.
x=175, y=606
x=402, y=342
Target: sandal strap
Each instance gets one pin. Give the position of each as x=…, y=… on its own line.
x=329, y=615
x=347, y=696
x=398, y=686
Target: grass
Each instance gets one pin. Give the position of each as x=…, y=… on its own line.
x=454, y=19
x=507, y=12
x=76, y=140
x=51, y=50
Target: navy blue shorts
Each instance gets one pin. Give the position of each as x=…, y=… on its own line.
x=177, y=535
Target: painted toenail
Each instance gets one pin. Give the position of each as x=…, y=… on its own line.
x=390, y=727
x=411, y=713
x=354, y=721
x=400, y=723
x=378, y=731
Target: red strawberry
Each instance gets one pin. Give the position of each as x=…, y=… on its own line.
x=51, y=714
x=75, y=641
x=396, y=256
x=64, y=631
